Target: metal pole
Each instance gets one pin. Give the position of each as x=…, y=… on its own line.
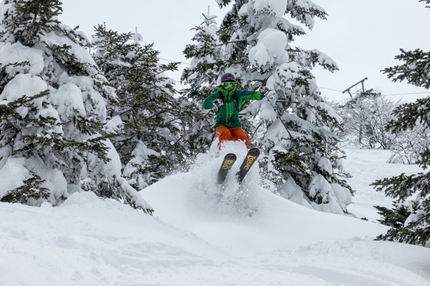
x=348, y=89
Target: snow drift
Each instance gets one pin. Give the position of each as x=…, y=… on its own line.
x=195, y=239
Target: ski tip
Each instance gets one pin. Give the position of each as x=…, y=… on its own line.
x=230, y=155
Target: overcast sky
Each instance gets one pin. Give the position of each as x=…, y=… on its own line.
x=362, y=36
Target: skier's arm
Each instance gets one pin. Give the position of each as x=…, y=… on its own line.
x=247, y=95
x=208, y=103
x=257, y=96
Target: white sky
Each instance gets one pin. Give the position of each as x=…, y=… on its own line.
x=362, y=36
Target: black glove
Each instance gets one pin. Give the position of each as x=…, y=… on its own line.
x=217, y=103
x=264, y=91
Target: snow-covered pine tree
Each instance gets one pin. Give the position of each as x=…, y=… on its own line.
x=409, y=191
x=207, y=63
x=53, y=107
x=427, y=1
x=304, y=160
x=205, y=54
x=150, y=137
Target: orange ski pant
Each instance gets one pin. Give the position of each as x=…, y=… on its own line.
x=231, y=134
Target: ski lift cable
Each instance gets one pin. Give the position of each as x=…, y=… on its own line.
x=388, y=94
x=406, y=93
x=330, y=89
x=326, y=88
x=180, y=62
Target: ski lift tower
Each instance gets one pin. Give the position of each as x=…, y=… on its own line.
x=349, y=88
x=370, y=93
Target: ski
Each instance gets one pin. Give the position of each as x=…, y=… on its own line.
x=249, y=160
x=226, y=165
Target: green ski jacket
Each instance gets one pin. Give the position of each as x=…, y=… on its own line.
x=228, y=114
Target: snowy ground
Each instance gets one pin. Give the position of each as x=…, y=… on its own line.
x=193, y=240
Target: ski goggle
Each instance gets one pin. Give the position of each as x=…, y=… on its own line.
x=228, y=84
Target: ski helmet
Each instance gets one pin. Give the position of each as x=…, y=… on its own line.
x=227, y=77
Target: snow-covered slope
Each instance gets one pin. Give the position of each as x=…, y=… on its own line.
x=276, y=224
x=197, y=238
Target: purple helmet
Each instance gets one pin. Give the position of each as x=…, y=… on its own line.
x=228, y=77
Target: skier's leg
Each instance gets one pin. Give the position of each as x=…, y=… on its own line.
x=239, y=134
x=223, y=134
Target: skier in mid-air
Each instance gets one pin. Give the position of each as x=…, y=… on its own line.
x=226, y=103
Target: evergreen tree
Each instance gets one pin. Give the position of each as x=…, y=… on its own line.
x=206, y=56
x=149, y=115
x=53, y=110
x=295, y=126
x=207, y=63
x=410, y=191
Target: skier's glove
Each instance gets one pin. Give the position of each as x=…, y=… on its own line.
x=217, y=103
x=264, y=91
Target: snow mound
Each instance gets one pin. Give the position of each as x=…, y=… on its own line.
x=193, y=241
